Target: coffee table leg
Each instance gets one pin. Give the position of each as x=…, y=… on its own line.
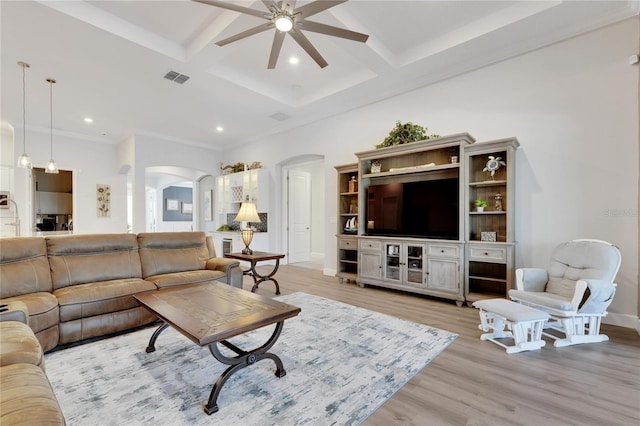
x=257, y=278
x=237, y=363
x=152, y=342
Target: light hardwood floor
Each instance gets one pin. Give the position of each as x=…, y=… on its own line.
x=477, y=383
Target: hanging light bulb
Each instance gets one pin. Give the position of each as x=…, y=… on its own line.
x=24, y=161
x=51, y=167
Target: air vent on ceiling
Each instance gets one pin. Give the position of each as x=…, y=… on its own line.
x=280, y=116
x=176, y=77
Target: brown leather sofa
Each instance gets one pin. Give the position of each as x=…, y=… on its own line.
x=80, y=286
x=74, y=287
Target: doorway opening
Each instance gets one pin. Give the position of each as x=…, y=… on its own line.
x=304, y=211
x=53, y=200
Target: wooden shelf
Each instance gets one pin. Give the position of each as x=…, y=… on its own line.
x=488, y=183
x=417, y=169
x=479, y=277
x=490, y=212
x=349, y=193
x=481, y=296
x=355, y=262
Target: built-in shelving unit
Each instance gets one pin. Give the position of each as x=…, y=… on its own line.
x=347, y=222
x=428, y=266
x=489, y=265
x=471, y=261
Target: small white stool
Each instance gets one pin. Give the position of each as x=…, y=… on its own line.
x=526, y=324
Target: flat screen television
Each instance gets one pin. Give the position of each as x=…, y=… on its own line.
x=427, y=209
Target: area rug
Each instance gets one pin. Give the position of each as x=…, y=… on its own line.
x=342, y=363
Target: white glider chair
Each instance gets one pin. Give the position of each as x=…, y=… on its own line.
x=575, y=290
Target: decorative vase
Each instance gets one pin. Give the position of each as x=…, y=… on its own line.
x=479, y=209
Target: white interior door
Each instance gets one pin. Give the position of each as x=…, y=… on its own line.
x=299, y=213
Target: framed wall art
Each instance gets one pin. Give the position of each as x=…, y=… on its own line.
x=172, y=205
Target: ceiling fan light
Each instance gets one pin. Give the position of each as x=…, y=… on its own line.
x=284, y=22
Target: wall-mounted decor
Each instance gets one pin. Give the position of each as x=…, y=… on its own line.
x=172, y=205
x=207, y=201
x=4, y=199
x=103, y=200
x=187, y=207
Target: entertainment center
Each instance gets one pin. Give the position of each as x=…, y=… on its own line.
x=416, y=227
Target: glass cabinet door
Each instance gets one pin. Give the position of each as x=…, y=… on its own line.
x=392, y=262
x=415, y=264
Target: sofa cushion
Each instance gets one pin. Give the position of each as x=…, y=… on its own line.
x=576, y=260
x=41, y=307
x=80, y=259
x=189, y=277
x=24, y=267
x=102, y=325
x=168, y=252
x=87, y=300
x=19, y=345
x=27, y=398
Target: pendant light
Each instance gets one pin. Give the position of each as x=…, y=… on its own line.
x=24, y=161
x=52, y=167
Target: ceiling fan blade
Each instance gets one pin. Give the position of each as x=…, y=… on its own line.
x=317, y=6
x=245, y=34
x=278, y=38
x=234, y=7
x=308, y=47
x=317, y=27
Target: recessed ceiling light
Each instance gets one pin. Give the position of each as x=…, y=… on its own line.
x=294, y=60
x=88, y=120
x=219, y=128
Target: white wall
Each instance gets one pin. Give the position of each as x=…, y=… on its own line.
x=574, y=108
x=92, y=163
x=154, y=151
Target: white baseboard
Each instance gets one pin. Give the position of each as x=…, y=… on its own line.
x=622, y=320
x=329, y=272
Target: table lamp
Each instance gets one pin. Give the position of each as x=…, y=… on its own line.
x=247, y=213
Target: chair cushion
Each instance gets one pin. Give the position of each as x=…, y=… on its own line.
x=548, y=300
x=87, y=300
x=575, y=260
x=512, y=311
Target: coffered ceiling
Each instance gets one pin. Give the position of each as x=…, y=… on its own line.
x=110, y=58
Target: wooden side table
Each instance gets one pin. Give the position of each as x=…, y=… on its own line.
x=258, y=256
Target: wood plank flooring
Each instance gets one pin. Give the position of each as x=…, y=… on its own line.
x=477, y=383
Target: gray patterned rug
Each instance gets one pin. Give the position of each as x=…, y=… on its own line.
x=342, y=363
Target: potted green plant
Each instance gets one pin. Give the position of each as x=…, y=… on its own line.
x=405, y=133
x=480, y=204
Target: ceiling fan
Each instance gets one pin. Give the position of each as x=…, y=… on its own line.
x=287, y=19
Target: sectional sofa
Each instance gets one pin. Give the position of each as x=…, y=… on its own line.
x=74, y=287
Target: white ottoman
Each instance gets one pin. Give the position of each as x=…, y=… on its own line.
x=526, y=324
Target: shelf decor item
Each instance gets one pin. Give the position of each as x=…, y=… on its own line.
x=480, y=205
x=353, y=184
x=493, y=164
x=375, y=166
x=488, y=236
x=498, y=203
x=405, y=133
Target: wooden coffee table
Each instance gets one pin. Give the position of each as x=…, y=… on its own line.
x=255, y=257
x=208, y=314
